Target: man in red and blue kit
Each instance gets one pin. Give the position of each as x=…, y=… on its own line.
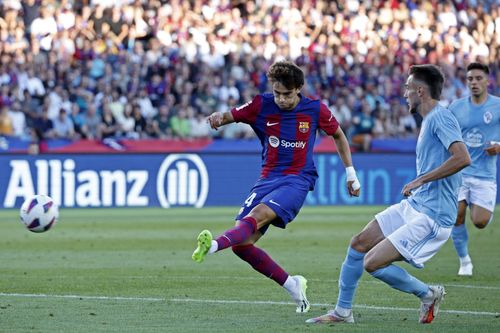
x=286, y=124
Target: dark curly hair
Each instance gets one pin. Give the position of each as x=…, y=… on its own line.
x=286, y=73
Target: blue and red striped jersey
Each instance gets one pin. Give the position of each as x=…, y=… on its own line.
x=287, y=136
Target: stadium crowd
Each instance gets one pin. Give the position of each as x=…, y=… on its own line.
x=156, y=69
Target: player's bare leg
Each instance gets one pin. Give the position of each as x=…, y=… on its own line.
x=480, y=216
x=296, y=286
x=241, y=239
x=378, y=262
x=352, y=269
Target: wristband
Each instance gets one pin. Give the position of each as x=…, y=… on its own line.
x=350, y=173
x=351, y=176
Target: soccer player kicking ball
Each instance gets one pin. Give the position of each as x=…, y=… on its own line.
x=414, y=229
x=479, y=118
x=286, y=123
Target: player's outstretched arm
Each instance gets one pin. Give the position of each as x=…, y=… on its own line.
x=458, y=160
x=218, y=119
x=344, y=151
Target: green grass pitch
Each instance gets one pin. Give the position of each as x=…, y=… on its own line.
x=130, y=270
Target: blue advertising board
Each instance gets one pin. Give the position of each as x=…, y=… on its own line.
x=196, y=180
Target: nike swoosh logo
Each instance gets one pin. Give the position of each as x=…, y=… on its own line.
x=271, y=124
x=273, y=202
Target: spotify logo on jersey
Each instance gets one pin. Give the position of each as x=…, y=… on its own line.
x=274, y=141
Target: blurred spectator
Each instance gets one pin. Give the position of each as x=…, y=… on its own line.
x=78, y=120
x=364, y=124
x=18, y=120
x=382, y=125
x=407, y=125
x=91, y=124
x=342, y=113
x=161, y=124
x=205, y=56
x=5, y=96
x=44, y=28
x=156, y=89
x=147, y=108
x=199, y=126
x=116, y=104
x=109, y=127
x=127, y=123
x=31, y=9
x=55, y=99
x=181, y=128
x=140, y=125
x=43, y=125
x=63, y=126
x=6, y=126
x=34, y=85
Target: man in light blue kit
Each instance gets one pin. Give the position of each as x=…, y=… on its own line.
x=479, y=118
x=416, y=228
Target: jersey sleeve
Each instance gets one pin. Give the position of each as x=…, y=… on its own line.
x=327, y=122
x=447, y=129
x=247, y=113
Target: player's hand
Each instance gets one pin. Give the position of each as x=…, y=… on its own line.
x=215, y=120
x=353, y=187
x=408, y=188
x=493, y=149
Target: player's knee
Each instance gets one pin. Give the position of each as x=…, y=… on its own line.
x=369, y=264
x=262, y=214
x=481, y=224
x=360, y=243
x=240, y=250
x=236, y=249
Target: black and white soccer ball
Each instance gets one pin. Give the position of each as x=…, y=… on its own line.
x=39, y=213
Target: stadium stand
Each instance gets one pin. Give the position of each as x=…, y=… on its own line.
x=81, y=72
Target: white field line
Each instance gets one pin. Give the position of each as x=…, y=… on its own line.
x=372, y=281
x=215, y=301
x=99, y=298
x=252, y=278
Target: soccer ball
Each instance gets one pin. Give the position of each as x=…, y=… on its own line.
x=39, y=213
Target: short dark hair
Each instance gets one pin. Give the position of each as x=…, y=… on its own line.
x=431, y=75
x=480, y=66
x=286, y=73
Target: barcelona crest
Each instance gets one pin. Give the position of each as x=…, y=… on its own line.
x=303, y=126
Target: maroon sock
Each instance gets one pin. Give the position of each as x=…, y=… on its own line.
x=238, y=234
x=261, y=262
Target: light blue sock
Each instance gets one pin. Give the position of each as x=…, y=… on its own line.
x=400, y=279
x=352, y=269
x=460, y=239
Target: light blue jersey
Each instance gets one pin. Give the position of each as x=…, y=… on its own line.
x=480, y=124
x=437, y=199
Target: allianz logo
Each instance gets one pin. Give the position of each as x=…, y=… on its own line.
x=181, y=180
x=275, y=142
